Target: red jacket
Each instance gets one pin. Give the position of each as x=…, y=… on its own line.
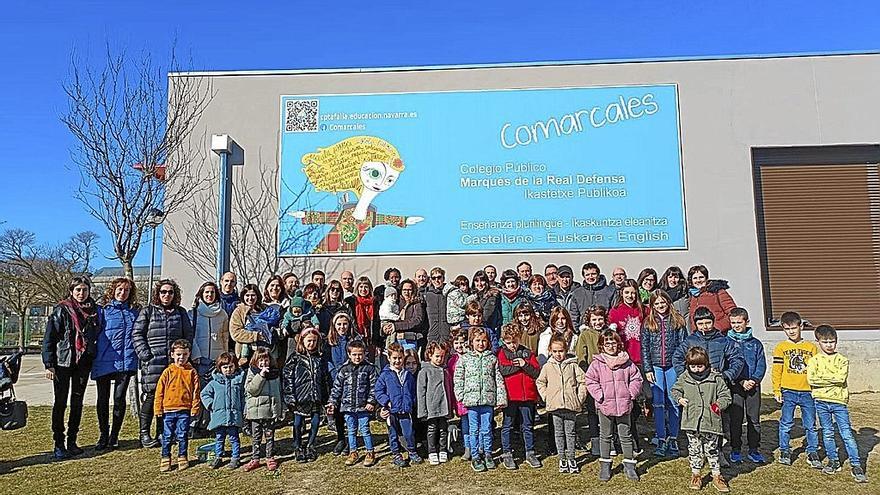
x=519, y=381
x=629, y=327
x=713, y=296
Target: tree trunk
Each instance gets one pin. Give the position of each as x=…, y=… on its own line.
x=22, y=330
x=128, y=269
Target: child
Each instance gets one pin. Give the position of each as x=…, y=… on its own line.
x=474, y=319
x=746, y=390
x=177, y=398
x=396, y=394
x=627, y=316
x=702, y=394
x=827, y=373
x=264, y=406
x=511, y=295
x=519, y=367
x=560, y=323
x=413, y=364
x=337, y=340
x=353, y=396
x=223, y=396
x=460, y=347
x=614, y=382
x=791, y=389
x=665, y=329
x=306, y=388
x=456, y=301
x=389, y=311
x=480, y=387
x=595, y=322
x=434, y=400
x=531, y=325
x=562, y=386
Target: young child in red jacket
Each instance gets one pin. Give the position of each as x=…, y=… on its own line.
x=519, y=367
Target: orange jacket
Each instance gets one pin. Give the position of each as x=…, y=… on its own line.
x=178, y=390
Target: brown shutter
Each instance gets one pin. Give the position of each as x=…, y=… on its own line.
x=821, y=242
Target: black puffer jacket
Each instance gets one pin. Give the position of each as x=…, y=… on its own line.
x=354, y=387
x=305, y=380
x=58, y=341
x=435, y=307
x=154, y=331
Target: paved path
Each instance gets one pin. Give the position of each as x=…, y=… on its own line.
x=34, y=388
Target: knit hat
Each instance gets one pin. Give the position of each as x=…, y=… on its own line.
x=390, y=291
x=296, y=302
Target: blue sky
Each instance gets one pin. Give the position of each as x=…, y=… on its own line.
x=37, y=39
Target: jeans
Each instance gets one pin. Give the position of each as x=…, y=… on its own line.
x=401, y=424
x=438, y=429
x=830, y=413
x=526, y=413
x=790, y=400
x=120, y=383
x=480, y=429
x=175, y=423
x=358, y=422
x=68, y=380
x=666, y=412
x=298, y=424
x=466, y=433
x=746, y=405
x=563, y=430
x=220, y=434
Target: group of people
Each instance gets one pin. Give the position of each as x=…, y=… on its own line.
x=436, y=361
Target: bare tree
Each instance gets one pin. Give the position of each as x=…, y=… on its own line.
x=135, y=148
x=18, y=293
x=254, y=237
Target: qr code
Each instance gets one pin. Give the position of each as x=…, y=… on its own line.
x=301, y=116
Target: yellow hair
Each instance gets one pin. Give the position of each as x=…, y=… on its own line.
x=337, y=168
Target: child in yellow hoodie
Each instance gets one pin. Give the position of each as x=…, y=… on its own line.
x=827, y=373
x=177, y=400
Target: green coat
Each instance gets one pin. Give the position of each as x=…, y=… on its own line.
x=263, y=396
x=478, y=380
x=697, y=415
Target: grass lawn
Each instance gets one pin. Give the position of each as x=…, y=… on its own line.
x=25, y=468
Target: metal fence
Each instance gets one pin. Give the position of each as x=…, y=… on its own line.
x=34, y=328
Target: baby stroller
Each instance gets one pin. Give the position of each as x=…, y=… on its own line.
x=13, y=413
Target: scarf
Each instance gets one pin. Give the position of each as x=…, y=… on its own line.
x=79, y=313
x=363, y=313
x=616, y=361
x=676, y=293
x=740, y=336
x=694, y=292
x=210, y=310
x=511, y=294
x=700, y=376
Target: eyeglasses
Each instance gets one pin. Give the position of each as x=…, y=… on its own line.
x=618, y=275
x=165, y=291
x=436, y=277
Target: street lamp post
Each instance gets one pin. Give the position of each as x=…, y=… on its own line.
x=230, y=153
x=155, y=217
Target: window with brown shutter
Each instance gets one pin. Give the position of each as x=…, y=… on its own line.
x=818, y=217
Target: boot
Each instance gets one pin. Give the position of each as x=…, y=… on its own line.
x=103, y=441
x=113, y=439
x=165, y=465
x=182, y=463
x=144, y=421
x=629, y=469
x=720, y=484
x=72, y=447
x=604, y=469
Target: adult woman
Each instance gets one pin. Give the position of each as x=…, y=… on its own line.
x=531, y=325
x=251, y=304
x=541, y=297
x=116, y=361
x=365, y=308
x=647, y=281
x=210, y=328
x=156, y=328
x=560, y=323
x=275, y=295
x=511, y=295
x=69, y=348
x=673, y=283
x=413, y=324
x=333, y=303
x=711, y=294
x=489, y=299
x=663, y=332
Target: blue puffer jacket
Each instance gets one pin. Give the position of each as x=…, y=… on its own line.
x=658, y=347
x=354, y=387
x=115, y=340
x=397, y=397
x=724, y=354
x=338, y=355
x=224, y=398
x=755, y=361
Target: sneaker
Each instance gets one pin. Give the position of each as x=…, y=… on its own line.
x=467, y=454
x=832, y=467
x=532, y=460
x=563, y=465
x=217, y=462
x=433, y=459
x=311, y=454
x=103, y=443
x=353, y=458
x=341, y=446
x=489, y=461
x=300, y=456
x=60, y=453
x=660, y=451
x=696, y=482
x=399, y=461
x=507, y=461
x=720, y=483
x=443, y=456
x=234, y=463
x=251, y=465
x=672, y=449
x=165, y=465
x=736, y=457
x=271, y=464
x=369, y=459
x=415, y=458
x=182, y=463
x=756, y=457
x=573, y=466
x=859, y=474
x=813, y=461
x=784, y=458
x=613, y=451
x=478, y=465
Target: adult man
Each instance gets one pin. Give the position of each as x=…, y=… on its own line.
x=524, y=270
x=618, y=277
x=228, y=294
x=594, y=291
x=435, y=306
x=347, y=279
x=318, y=279
x=564, y=288
x=291, y=283
x=551, y=273
x=491, y=274
x=422, y=281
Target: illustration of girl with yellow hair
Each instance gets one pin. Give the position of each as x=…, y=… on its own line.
x=365, y=166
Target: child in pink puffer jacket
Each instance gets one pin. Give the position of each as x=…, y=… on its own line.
x=614, y=382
